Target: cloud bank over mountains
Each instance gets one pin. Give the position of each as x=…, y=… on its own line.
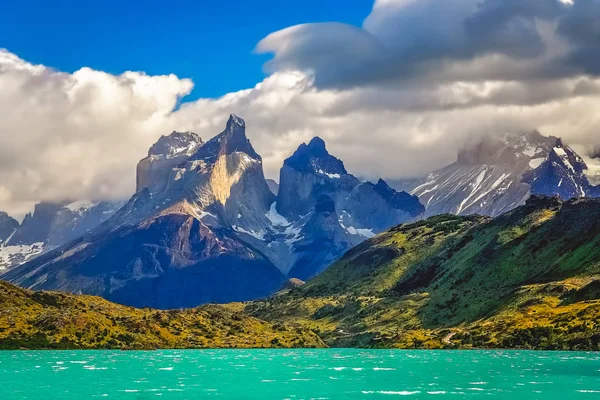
x=396, y=97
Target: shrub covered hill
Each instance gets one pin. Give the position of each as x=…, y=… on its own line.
x=527, y=279
x=54, y=320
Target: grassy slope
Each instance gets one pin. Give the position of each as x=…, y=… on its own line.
x=530, y=278
x=46, y=320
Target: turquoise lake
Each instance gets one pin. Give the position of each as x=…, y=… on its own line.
x=298, y=374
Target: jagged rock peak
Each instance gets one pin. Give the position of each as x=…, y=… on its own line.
x=399, y=200
x=382, y=185
x=314, y=158
x=5, y=216
x=384, y=190
x=232, y=139
x=235, y=122
x=317, y=143
x=235, y=129
x=7, y=226
x=175, y=144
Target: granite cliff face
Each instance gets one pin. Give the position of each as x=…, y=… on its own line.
x=339, y=209
x=153, y=171
x=204, y=226
x=179, y=241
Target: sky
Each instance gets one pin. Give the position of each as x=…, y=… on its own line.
x=394, y=87
x=210, y=42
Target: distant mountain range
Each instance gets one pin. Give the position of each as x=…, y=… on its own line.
x=48, y=227
x=205, y=225
x=499, y=174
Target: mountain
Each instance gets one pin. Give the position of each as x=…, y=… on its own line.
x=48, y=227
x=529, y=278
x=342, y=210
x=499, y=174
x=179, y=241
x=562, y=174
x=53, y=320
x=204, y=226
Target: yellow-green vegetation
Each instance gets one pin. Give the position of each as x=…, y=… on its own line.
x=528, y=279
x=52, y=320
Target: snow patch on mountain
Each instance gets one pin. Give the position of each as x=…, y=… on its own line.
x=18, y=254
x=81, y=205
x=474, y=187
x=332, y=176
x=536, y=162
x=260, y=235
x=276, y=218
x=565, y=158
x=368, y=233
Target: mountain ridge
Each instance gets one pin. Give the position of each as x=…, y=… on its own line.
x=498, y=174
x=204, y=226
x=48, y=227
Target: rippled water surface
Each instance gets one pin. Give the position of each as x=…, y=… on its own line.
x=298, y=374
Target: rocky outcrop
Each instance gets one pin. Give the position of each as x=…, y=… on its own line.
x=153, y=171
x=292, y=283
x=309, y=173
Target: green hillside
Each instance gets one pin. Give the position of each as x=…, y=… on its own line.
x=529, y=279
x=52, y=320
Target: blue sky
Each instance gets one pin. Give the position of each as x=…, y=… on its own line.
x=210, y=42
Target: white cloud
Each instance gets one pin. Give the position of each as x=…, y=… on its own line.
x=79, y=135
x=395, y=98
